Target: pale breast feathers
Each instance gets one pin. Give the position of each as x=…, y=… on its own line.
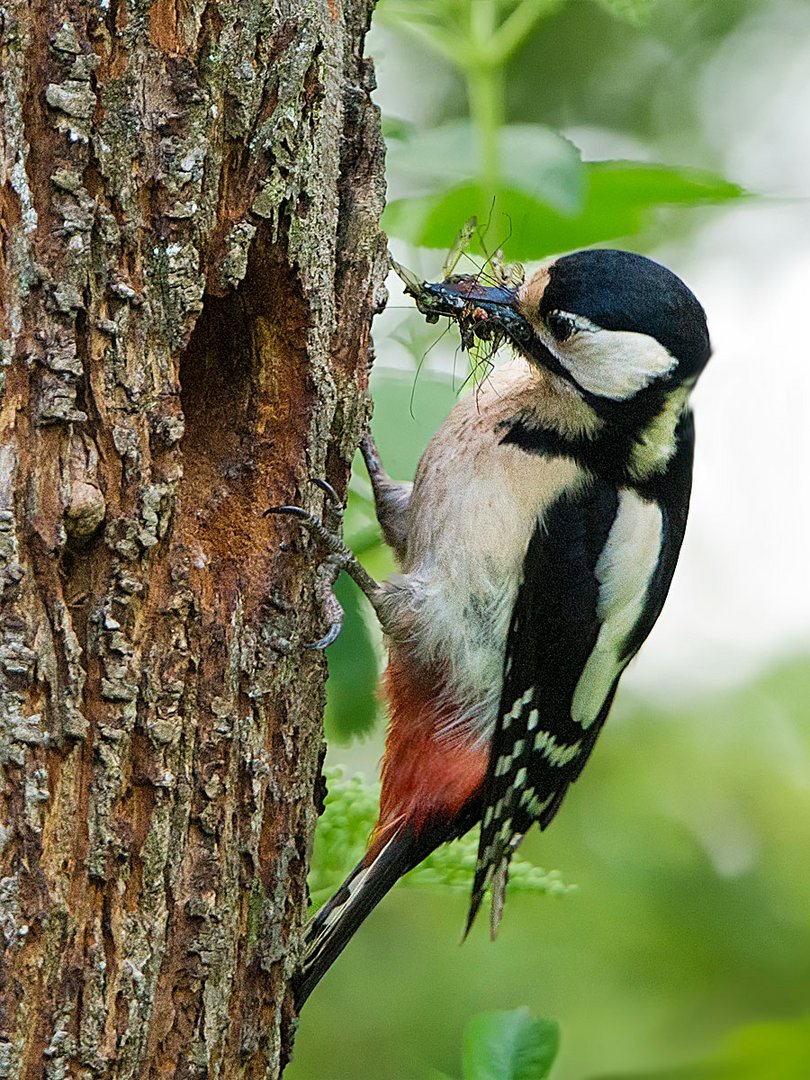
x=475, y=505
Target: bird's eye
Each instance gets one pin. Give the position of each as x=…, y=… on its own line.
x=561, y=326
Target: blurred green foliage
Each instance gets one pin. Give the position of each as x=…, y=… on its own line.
x=528, y=182
x=351, y=694
x=684, y=954
x=342, y=838
x=686, y=836
x=758, y=1052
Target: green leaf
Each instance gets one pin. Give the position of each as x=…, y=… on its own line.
x=532, y=158
x=536, y=160
x=632, y=11
x=509, y=1046
x=440, y=155
x=649, y=184
x=620, y=197
x=396, y=129
x=351, y=703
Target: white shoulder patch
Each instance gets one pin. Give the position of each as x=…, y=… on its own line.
x=624, y=571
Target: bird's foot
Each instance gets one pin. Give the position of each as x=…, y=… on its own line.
x=327, y=531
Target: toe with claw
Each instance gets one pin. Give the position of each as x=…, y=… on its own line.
x=327, y=531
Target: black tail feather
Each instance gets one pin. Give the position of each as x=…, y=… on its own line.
x=331, y=929
x=333, y=926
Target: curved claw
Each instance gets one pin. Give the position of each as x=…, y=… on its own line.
x=340, y=557
x=329, y=492
x=331, y=635
x=329, y=537
x=331, y=609
x=296, y=511
x=332, y=507
x=333, y=510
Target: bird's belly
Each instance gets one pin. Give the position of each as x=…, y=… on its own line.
x=471, y=519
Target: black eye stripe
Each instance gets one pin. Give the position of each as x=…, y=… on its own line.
x=560, y=325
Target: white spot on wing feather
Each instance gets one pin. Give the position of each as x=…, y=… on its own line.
x=555, y=753
x=518, y=707
x=505, y=829
x=532, y=803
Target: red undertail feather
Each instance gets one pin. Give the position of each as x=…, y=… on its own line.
x=429, y=788
x=425, y=776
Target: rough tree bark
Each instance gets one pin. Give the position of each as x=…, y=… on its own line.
x=189, y=264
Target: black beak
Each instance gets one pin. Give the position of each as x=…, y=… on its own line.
x=485, y=309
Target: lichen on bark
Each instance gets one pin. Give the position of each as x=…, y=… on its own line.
x=189, y=263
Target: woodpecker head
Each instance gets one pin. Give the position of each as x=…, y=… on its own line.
x=616, y=326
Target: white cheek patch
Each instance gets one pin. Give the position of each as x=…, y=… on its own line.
x=614, y=364
x=624, y=571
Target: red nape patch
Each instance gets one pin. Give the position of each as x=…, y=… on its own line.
x=424, y=776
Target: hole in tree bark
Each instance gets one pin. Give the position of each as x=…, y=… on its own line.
x=246, y=396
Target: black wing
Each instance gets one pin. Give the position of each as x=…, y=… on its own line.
x=596, y=574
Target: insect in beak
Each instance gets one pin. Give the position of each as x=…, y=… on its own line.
x=481, y=311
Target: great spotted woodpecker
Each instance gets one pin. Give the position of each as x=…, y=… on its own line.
x=537, y=545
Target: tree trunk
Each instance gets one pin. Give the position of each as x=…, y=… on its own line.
x=189, y=264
